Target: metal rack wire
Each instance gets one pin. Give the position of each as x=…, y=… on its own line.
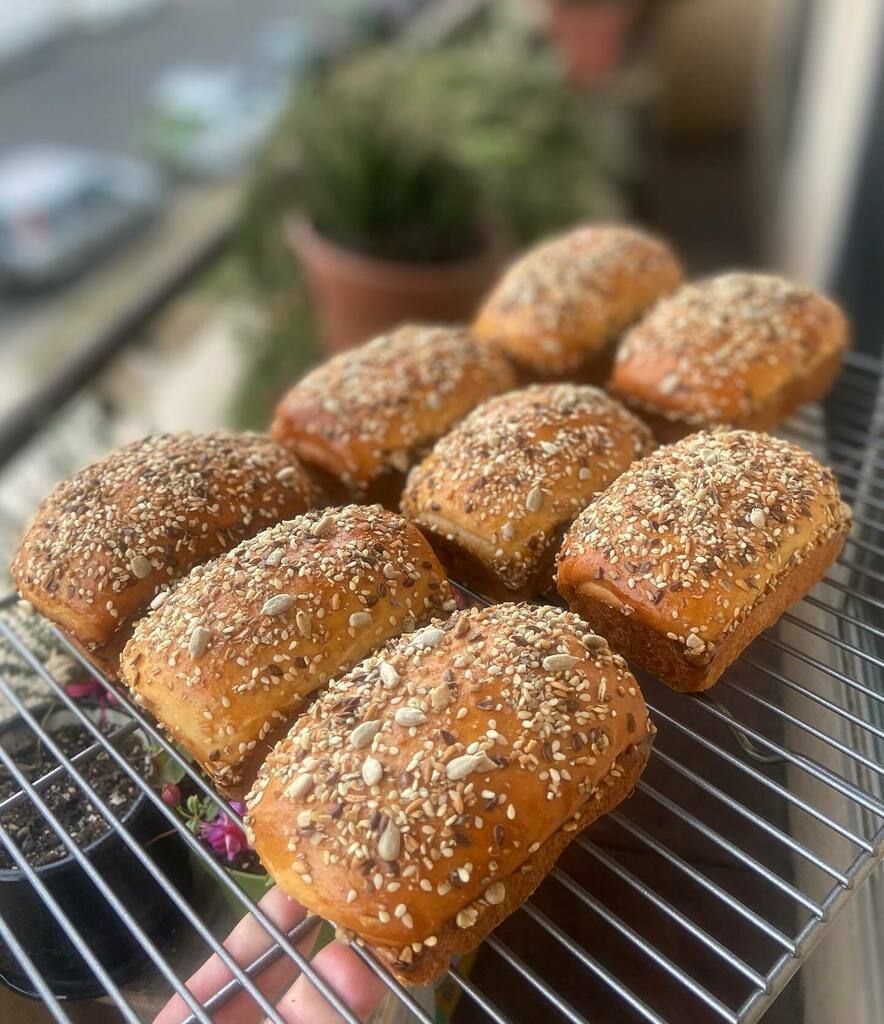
x=760, y=814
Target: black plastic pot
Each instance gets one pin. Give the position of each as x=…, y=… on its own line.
x=64, y=969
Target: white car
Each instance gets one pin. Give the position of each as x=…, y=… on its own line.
x=209, y=121
x=60, y=209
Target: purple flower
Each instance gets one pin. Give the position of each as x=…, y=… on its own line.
x=224, y=836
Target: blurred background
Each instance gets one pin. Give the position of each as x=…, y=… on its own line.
x=201, y=198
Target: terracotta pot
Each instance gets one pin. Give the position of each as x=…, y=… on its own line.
x=591, y=35
x=357, y=297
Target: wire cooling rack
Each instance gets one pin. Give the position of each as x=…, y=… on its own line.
x=759, y=816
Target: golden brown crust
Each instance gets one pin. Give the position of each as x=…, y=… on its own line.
x=233, y=651
x=404, y=804
x=429, y=964
x=559, y=307
x=367, y=415
x=107, y=540
x=689, y=554
x=496, y=493
x=742, y=349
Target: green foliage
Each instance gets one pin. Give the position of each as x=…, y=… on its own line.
x=416, y=154
x=543, y=155
x=198, y=809
x=164, y=768
x=374, y=186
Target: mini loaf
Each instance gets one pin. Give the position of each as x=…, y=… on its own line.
x=363, y=418
x=495, y=495
x=738, y=349
x=107, y=540
x=558, y=311
x=426, y=794
x=228, y=657
x=686, y=557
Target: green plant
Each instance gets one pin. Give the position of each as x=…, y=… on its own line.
x=282, y=349
x=371, y=184
x=542, y=156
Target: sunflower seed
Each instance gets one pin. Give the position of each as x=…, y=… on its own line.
x=757, y=518
x=409, y=716
x=548, y=448
x=427, y=638
x=277, y=605
x=389, y=843
x=300, y=787
x=507, y=531
x=304, y=623
x=389, y=675
x=466, y=764
x=285, y=473
x=199, y=642
x=594, y=640
x=364, y=733
x=141, y=567
x=274, y=558
x=694, y=642
x=559, y=662
x=360, y=619
x=372, y=770
x=534, y=499
x=323, y=527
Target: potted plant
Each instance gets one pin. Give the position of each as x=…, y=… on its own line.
x=223, y=837
x=97, y=922
x=389, y=227
x=543, y=157
x=591, y=35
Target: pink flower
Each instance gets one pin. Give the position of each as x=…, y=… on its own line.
x=224, y=836
x=171, y=794
x=92, y=689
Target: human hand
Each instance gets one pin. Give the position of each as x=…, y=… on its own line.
x=301, y=1003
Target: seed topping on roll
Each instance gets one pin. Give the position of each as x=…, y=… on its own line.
x=107, y=538
x=378, y=406
x=720, y=514
x=519, y=467
x=717, y=349
x=421, y=780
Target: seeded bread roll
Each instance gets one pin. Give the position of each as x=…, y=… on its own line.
x=496, y=494
x=738, y=349
x=229, y=656
x=690, y=554
x=363, y=418
x=558, y=311
x=427, y=793
x=107, y=540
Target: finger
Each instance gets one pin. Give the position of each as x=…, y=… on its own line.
x=246, y=942
x=354, y=982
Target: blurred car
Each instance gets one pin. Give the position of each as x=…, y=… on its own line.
x=60, y=209
x=208, y=121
